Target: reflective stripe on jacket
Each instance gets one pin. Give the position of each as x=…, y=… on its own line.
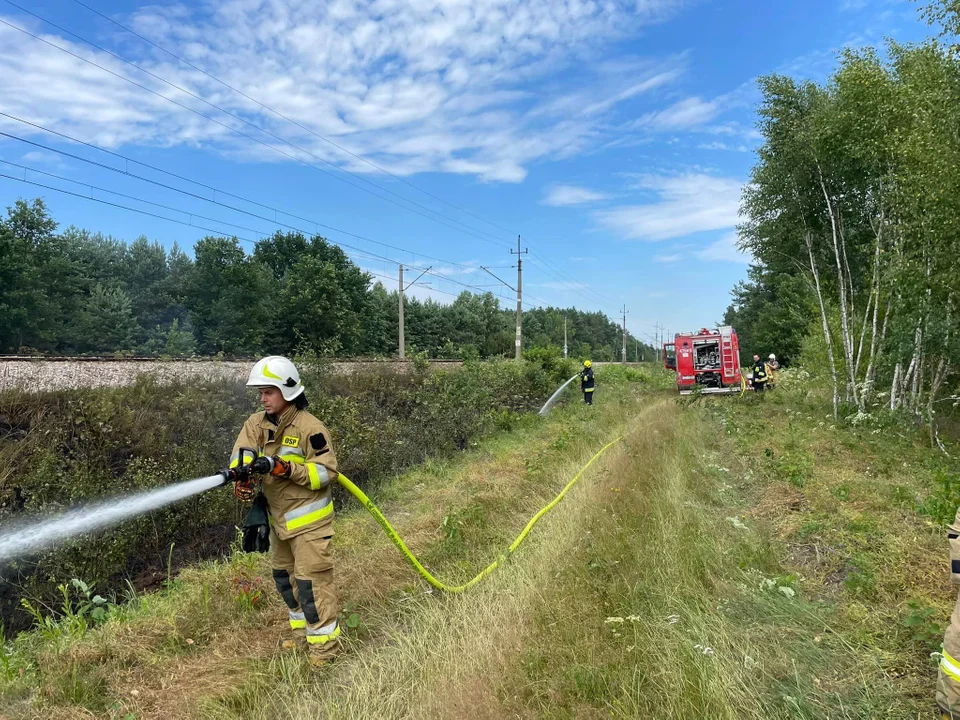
x=760, y=372
x=304, y=500
x=586, y=379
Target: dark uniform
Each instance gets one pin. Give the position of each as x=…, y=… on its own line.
x=586, y=384
x=760, y=375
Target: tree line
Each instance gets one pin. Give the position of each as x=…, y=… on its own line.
x=853, y=217
x=78, y=292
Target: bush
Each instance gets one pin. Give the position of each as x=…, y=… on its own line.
x=62, y=449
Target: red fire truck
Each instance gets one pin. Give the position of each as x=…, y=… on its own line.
x=708, y=360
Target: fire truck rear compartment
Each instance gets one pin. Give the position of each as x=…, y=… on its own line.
x=706, y=355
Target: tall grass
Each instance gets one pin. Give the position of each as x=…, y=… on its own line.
x=62, y=449
x=661, y=587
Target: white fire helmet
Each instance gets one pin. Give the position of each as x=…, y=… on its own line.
x=772, y=356
x=278, y=372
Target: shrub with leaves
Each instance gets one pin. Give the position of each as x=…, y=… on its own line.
x=63, y=449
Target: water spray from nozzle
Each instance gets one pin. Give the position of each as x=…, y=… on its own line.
x=549, y=403
x=29, y=537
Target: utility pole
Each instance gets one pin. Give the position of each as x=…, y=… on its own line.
x=625, y=311
x=564, y=337
x=402, y=290
x=401, y=314
x=519, y=253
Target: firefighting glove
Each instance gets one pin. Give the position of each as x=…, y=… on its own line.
x=244, y=490
x=256, y=527
x=270, y=466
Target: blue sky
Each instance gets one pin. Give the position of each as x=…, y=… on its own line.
x=615, y=137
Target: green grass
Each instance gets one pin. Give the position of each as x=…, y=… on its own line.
x=217, y=621
x=732, y=558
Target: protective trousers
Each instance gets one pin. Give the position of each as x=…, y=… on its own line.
x=948, y=679
x=588, y=396
x=303, y=573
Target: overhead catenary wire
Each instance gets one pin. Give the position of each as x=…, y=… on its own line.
x=288, y=119
x=191, y=215
x=466, y=229
x=196, y=196
x=249, y=213
x=575, y=287
x=180, y=222
x=307, y=129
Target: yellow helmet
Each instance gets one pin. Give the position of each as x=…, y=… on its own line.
x=587, y=363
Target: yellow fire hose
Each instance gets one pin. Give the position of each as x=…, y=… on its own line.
x=398, y=541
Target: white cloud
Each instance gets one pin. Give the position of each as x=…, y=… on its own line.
x=734, y=128
x=724, y=249
x=676, y=257
x=563, y=195
x=683, y=115
x=685, y=204
x=723, y=146
x=420, y=86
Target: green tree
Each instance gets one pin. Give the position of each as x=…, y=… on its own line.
x=146, y=272
x=231, y=299
x=37, y=280
x=106, y=321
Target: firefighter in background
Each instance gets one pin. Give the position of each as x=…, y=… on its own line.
x=761, y=374
x=586, y=382
x=295, y=467
x=948, y=677
x=772, y=367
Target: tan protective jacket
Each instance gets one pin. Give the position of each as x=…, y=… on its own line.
x=303, y=501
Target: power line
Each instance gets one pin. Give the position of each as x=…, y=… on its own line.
x=227, y=206
x=187, y=193
x=129, y=197
x=546, y=264
x=468, y=231
x=122, y=207
x=571, y=286
x=223, y=110
x=185, y=212
x=288, y=119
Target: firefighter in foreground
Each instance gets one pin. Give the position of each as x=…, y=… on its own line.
x=586, y=382
x=761, y=373
x=296, y=466
x=948, y=678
